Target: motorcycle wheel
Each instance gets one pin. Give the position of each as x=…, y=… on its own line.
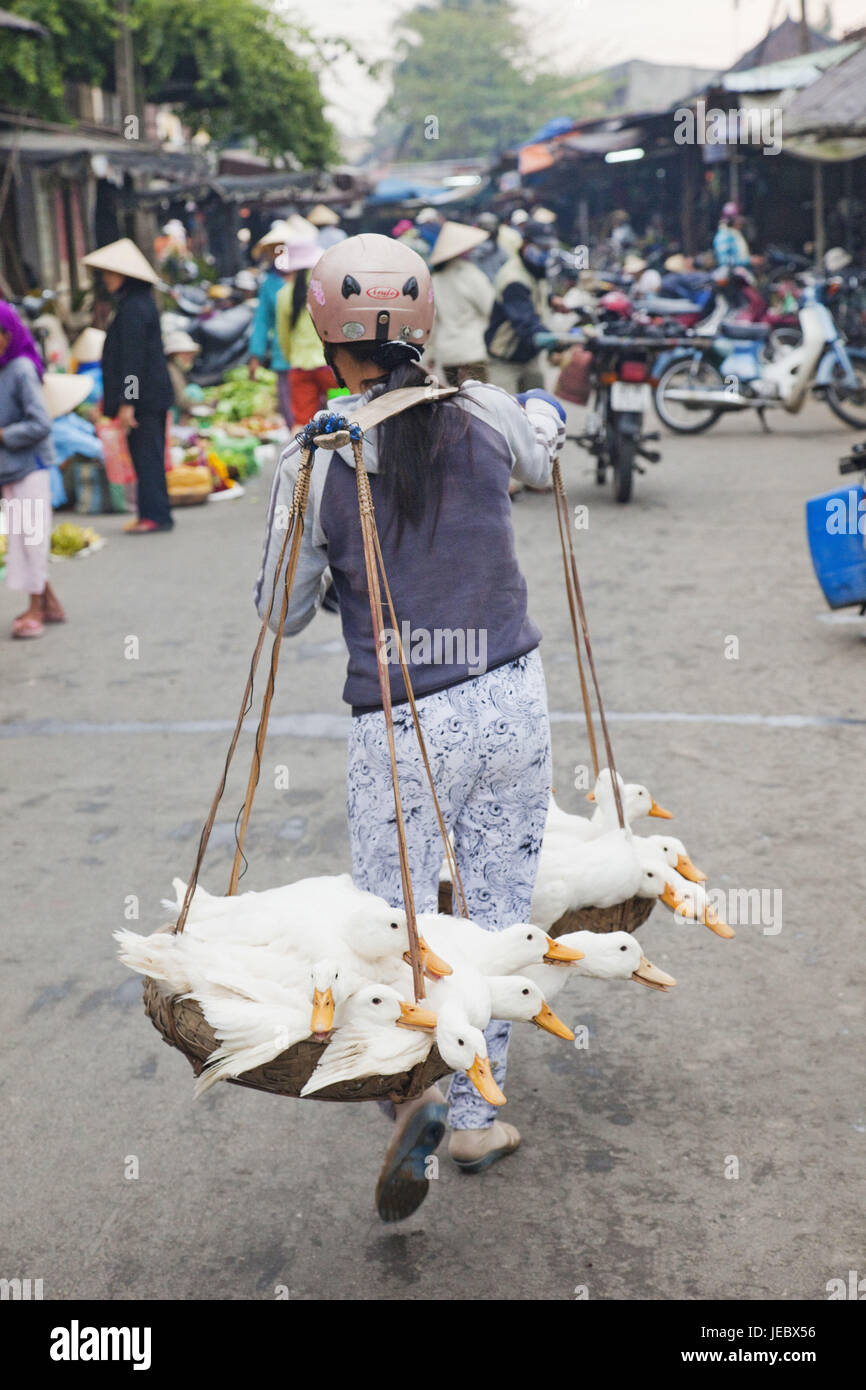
x=850, y=406
x=680, y=374
x=622, y=451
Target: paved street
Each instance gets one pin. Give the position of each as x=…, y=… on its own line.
x=108, y=768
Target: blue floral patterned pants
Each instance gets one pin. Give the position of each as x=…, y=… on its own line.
x=488, y=741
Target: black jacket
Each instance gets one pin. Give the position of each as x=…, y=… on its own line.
x=134, y=370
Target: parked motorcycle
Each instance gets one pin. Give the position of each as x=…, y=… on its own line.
x=692, y=392
x=223, y=333
x=609, y=368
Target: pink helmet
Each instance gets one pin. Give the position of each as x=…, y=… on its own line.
x=730, y=211
x=371, y=288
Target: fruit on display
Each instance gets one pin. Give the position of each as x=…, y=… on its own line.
x=69, y=539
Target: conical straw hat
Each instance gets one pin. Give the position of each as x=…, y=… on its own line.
x=64, y=391
x=322, y=216
x=123, y=257
x=88, y=345
x=455, y=238
x=294, y=228
x=179, y=341
x=297, y=255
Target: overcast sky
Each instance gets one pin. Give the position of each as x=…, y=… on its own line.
x=581, y=33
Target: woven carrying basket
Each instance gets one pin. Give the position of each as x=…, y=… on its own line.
x=626, y=916
x=184, y=1026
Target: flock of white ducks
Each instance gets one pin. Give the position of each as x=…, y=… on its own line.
x=594, y=863
x=323, y=960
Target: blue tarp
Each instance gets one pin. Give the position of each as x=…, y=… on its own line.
x=559, y=125
x=401, y=190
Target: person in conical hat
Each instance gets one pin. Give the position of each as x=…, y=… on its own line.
x=137, y=389
x=122, y=258
x=439, y=476
x=64, y=392
x=322, y=216
x=285, y=229
x=180, y=352
x=87, y=348
x=464, y=299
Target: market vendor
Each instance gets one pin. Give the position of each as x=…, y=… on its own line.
x=464, y=299
x=439, y=475
x=136, y=384
x=311, y=378
x=264, y=342
x=180, y=353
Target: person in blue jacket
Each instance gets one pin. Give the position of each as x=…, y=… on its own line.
x=264, y=342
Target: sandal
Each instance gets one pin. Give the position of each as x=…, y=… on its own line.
x=53, y=613
x=25, y=626
x=404, y=1180
x=144, y=527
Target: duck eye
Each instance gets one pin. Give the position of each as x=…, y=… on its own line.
x=378, y=1001
x=460, y=1042
x=623, y=948
x=395, y=926
x=524, y=991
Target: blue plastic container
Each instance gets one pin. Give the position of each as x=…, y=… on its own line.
x=836, y=527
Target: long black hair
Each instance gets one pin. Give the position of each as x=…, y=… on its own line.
x=299, y=294
x=411, y=447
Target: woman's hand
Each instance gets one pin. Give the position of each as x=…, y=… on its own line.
x=126, y=417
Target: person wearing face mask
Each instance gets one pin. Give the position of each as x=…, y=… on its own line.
x=517, y=332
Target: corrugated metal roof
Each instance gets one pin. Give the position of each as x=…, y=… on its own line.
x=800, y=71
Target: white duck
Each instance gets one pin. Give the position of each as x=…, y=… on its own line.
x=254, y=1033
x=636, y=802
x=482, y=997
x=606, y=956
x=493, y=953
x=324, y=889
x=675, y=854
x=686, y=898
x=369, y=1042
x=323, y=916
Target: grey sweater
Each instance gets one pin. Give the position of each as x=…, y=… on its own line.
x=24, y=421
x=459, y=594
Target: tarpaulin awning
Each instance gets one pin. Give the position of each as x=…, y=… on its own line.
x=558, y=125
x=599, y=137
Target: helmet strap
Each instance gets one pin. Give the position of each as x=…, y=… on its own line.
x=329, y=358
